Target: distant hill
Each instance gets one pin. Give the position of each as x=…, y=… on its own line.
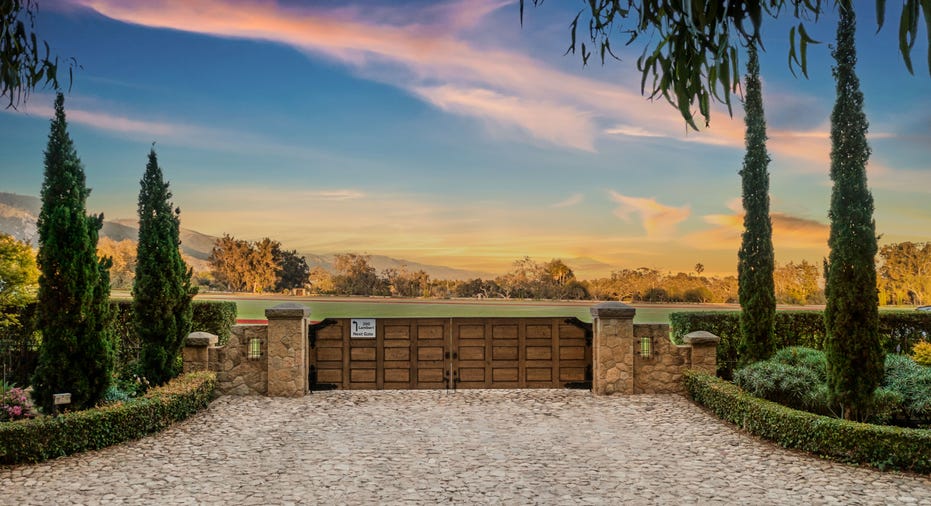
x=18, y=215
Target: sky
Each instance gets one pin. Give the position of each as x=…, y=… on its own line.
x=444, y=132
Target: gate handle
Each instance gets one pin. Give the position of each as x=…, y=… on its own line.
x=455, y=355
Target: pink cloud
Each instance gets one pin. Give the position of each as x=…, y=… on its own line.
x=658, y=220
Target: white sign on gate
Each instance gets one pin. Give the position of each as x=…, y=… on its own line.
x=362, y=327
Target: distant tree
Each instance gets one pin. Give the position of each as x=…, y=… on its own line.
x=356, y=277
x=905, y=272
x=691, y=53
x=123, y=255
x=162, y=291
x=230, y=262
x=19, y=278
x=73, y=305
x=321, y=281
x=699, y=268
x=797, y=283
x=292, y=270
x=855, y=356
x=263, y=269
x=756, y=291
x=26, y=63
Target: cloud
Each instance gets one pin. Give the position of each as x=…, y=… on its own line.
x=572, y=200
x=428, y=52
x=788, y=231
x=658, y=220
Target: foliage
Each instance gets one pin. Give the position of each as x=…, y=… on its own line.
x=27, y=64
x=855, y=355
x=905, y=273
x=19, y=277
x=123, y=254
x=755, y=259
x=797, y=377
x=797, y=283
x=162, y=290
x=50, y=437
x=74, y=286
x=898, y=330
x=292, y=270
x=242, y=265
x=912, y=383
x=921, y=353
x=19, y=344
x=690, y=57
x=877, y=445
x=14, y=404
x=356, y=277
x=214, y=316
x=650, y=285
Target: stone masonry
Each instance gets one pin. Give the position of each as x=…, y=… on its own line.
x=623, y=364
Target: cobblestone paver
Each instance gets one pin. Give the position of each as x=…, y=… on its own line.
x=428, y=447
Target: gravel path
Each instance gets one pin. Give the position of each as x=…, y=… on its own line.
x=427, y=447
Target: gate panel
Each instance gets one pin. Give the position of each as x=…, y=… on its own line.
x=439, y=353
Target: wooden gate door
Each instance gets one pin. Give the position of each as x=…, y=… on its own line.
x=441, y=353
x=519, y=353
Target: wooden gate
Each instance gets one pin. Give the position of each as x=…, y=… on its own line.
x=440, y=353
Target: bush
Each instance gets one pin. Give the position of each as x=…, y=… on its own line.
x=899, y=331
x=877, y=445
x=216, y=317
x=794, y=377
x=921, y=353
x=43, y=438
x=14, y=404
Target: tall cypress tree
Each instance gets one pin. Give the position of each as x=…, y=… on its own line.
x=162, y=290
x=854, y=355
x=76, y=354
x=756, y=290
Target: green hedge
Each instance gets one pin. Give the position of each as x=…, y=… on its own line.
x=900, y=330
x=44, y=438
x=880, y=446
x=216, y=317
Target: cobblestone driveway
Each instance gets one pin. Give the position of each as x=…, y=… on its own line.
x=511, y=447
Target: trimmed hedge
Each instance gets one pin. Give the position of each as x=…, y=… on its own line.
x=880, y=446
x=214, y=316
x=39, y=439
x=899, y=331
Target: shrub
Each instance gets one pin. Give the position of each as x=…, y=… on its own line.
x=216, y=317
x=921, y=353
x=899, y=331
x=912, y=382
x=49, y=437
x=14, y=404
x=793, y=377
x=879, y=446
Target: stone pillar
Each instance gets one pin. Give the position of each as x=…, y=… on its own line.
x=195, y=355
x=613, y=348
x=287, y=343
x=704, y=351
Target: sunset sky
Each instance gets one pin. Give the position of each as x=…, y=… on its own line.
x=444, y=133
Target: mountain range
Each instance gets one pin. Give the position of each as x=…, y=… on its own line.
x=18, y=215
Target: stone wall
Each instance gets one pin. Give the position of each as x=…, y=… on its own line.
x=237, y=374
x=618, y=365
x=661, y=372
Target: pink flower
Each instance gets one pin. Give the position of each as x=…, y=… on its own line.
x=16, y=411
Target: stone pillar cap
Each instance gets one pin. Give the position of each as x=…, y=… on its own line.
x=201, y=339
x=287, y=310
x=700, y=337
x=613, y=309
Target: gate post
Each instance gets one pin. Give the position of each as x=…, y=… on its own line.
x=613, y=348
x=287, y=354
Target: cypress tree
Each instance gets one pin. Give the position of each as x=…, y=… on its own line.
x=756, y=290
x=855, y=357
x=162, y=290
x=76, y=353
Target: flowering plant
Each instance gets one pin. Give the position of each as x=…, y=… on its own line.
x=14, y=405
